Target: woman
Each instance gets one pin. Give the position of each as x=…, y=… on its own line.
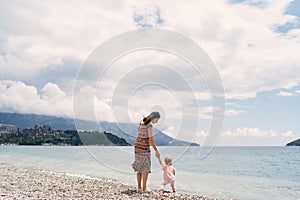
x=142, y=163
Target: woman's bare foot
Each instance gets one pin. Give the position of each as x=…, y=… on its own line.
x=146, y=190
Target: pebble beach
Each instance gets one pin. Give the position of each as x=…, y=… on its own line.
x=19, y=183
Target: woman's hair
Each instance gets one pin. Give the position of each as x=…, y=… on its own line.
x=168, y=159
x=148, y=119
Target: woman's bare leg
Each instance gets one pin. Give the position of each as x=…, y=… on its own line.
x=139, y=180
x=145, y=177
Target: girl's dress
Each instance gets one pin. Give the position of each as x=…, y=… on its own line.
x=142, y=162
x=169, y=177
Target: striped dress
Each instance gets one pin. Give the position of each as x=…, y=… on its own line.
x=142, y=162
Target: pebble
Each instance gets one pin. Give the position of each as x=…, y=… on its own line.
x=19, y=183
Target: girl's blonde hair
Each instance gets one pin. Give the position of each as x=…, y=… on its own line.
x=168, y=159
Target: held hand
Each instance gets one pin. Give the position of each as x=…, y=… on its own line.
x=157, y=154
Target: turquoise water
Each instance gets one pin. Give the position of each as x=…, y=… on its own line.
x=227, y=172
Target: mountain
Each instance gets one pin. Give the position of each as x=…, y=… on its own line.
x=127, y=131
x=100, y=138
x=294, y=143
x=30, y=120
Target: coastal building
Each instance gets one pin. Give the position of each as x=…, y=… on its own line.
x=42, y=128
x=8, y=129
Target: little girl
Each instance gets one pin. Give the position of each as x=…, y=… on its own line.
x=169, y=173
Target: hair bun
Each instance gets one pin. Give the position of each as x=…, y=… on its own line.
x=154, y=115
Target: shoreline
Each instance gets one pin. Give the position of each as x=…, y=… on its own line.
x=20, y=183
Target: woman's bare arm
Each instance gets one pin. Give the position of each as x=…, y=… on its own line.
x=153, y=142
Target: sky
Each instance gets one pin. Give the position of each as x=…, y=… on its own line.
x=253, y=44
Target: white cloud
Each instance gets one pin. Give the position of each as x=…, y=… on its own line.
x=148, y=17
x=240, y=39
x=240, y=106
x=288, y=134
x=201, y=134
x=206, y=112
x=103, y=110
x=249, y=55
x=40, y=35
x=240, y=95
x=52, y=91
x=202, y=96
x=232, y=112
x=298, y=91
x=15, y=96
x=255, y=137
x=228, y=32
x=170, y=131
x=208, y=109
x=285, y=94
x=255, y=132
x=249, y=137
x=241, y=42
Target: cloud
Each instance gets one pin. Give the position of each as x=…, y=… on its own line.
x=249, y=132
x=34, y=37
x=288, y=134
x=232, y=112
x=170, y=131
x=15, y=96
x=241, y=39
x=206, y=112
x=148, y=17
x=248, y=53
x=247, y=136
x=255, y=132
x=285, y=94
x=201, y=133
x=52, y=91
x=240, y=95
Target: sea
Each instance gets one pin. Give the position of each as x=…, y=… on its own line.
x=246, y=173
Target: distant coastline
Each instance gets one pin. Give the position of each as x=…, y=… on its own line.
x=294, y=143
x=127, y=131
x=45, y=135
